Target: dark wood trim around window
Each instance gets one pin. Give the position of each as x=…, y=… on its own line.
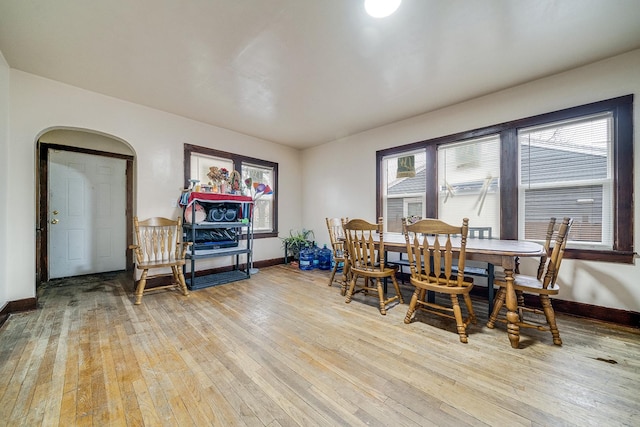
x=622, y=110
x=237, y=159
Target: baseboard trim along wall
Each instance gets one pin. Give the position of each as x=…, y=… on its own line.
x=17, y=306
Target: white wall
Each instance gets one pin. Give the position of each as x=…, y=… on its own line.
x=157, y=139
x=4, y=178
x=339, y=178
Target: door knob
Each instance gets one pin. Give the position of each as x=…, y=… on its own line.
x=54, y=221
x=55, y=212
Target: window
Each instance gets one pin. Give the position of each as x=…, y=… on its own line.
x=468, y=182
x=514, y=176
x=198, y=160
x=404, y=185
x=264, y=204
x=565, y=170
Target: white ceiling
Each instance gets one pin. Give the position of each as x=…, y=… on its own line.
x=304, y=72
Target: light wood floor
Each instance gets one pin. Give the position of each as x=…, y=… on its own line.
x=283, y=349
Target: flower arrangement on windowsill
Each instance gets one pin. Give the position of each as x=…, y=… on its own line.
x=223, y=181
x=257, y=189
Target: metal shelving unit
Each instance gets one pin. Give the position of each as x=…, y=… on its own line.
x=243, y=240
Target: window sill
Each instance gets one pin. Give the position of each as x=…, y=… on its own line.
x=622, y=257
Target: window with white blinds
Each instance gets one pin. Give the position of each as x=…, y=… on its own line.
x=469, y=182
x=565, y=170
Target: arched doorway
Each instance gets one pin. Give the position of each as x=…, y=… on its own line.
x=80, y=144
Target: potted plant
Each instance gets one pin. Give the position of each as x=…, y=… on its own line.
x=296, y=241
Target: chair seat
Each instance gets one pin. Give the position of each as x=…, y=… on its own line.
x=442, y=287
x=375, y=271
x=530, y=284
x=160, y=264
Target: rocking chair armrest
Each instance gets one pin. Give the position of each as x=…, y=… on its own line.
x=182, y=248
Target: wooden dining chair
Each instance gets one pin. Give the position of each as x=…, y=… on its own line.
x=543, y=284
x=365, y=243
x=433, y=268
x=159, y=246
x=340, y=258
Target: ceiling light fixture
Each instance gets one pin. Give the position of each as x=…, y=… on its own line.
x=381, y=8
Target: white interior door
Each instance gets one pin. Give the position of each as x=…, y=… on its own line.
x=87, y=218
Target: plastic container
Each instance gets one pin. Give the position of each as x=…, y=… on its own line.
x=316, y=260
x=307, y=255
x=324, y=258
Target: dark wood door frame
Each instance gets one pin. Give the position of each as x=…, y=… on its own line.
x=42, y=208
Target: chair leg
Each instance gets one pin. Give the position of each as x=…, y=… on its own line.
x=140, y=288
x=346, y=278
x=352, y=286
x=395, y=285
x=472, y=314
x=457, y=312
x=383, y=309
x=551, y=318
x=520, y=299
x=333, y=274
x=177, y=273
x=343, y=289
x=498, y=302
x=412, y=306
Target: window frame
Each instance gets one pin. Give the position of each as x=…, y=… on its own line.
x=621, y=109
x=237, y=160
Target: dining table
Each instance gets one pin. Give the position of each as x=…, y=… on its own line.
x=493, y=251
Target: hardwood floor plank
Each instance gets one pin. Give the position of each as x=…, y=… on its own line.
x=126, y=373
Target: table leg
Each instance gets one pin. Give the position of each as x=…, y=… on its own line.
x=513, y=329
